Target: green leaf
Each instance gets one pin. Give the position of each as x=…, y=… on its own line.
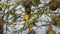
x=0, y=7
x=45, y=25
x=6, y=5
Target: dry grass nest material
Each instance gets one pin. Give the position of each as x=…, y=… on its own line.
x=56, y=21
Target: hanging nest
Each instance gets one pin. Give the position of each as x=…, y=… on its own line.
x=50, y=31
x=1, y=22
x=54, y=4
x=1, y=26
x=56, y=21
x=31, y=32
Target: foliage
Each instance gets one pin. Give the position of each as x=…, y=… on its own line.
x=30, y=18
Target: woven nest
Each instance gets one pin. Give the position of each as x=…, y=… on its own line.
x=31, y=32
x=56, y=21
x=50, y=31
x=54, y=4
x=1, y=22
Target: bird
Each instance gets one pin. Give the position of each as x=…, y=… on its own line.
x=27, y=5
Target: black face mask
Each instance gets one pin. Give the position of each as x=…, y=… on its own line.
x=27, y=8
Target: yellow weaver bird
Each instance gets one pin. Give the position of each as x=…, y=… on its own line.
x=27, y=17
